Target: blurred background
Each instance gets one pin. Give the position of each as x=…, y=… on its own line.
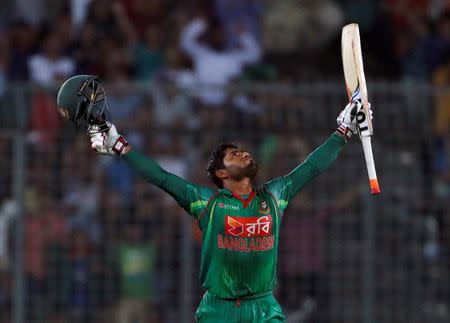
x=82, y=239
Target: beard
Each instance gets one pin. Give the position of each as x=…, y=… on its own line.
x=249, y=171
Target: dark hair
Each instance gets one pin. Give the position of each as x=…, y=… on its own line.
x=215, y=162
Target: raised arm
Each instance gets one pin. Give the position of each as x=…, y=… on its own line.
x=189, y=40
x=316, y=163
x=189, y=196
x=286, y=187
x=193, y=198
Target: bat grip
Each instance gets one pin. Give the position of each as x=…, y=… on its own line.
x=370, y=163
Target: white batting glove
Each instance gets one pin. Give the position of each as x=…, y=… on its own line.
x=346, y=120
x=108, y=142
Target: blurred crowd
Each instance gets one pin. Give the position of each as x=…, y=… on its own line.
x=45, y=41
x=103, y=246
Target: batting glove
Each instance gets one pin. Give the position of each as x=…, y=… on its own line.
x=347, y=121
x=107, y=142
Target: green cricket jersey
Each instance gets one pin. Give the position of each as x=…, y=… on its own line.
x=240, y=233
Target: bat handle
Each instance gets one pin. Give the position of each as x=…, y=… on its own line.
x=370, y=163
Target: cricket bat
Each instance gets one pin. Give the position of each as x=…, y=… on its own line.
x=356, y=85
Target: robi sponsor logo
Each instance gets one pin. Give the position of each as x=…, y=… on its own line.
x=257, y=226
x=228, y=207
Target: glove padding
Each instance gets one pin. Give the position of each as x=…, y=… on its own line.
x=347, y=121
x=108, y=142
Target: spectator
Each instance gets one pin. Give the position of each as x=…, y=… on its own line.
x=80, y=197
x=122, y=101
x=50, y=66
x=45, y=121
x=120, y=178
x=62, y=24
x=146, y=50
x=146, y=210
x=101, y=16
x=112, y=210
x=215, y=67
x=429, y=50
x=80, y=292
x=43, y=225
x=172, y=108
x=306, y=26
x=85, y=52
x=135, y=259
x=22, y=40
x=143, y=13
x=80, y=265
x=148, y=56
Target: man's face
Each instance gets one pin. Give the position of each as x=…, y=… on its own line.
x=239, y=164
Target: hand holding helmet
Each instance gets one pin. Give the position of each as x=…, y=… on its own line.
x=107, y=142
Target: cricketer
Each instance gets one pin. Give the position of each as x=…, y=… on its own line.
x=239, y=221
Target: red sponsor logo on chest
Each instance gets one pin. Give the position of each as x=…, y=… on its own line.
x=257, y=226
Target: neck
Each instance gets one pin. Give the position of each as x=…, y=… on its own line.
x=241, y=187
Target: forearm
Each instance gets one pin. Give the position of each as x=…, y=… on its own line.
x=325, y=155
x=189, y=196
x=146, y=167
x=317, y=162
x=150, y=171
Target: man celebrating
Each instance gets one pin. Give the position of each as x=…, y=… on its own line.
x=240, y=223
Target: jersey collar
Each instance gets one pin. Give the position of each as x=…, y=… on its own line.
x=245, y=202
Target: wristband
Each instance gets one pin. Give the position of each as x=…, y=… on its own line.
x=345, y=132
x=120, y=145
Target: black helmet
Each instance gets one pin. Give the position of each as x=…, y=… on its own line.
x=82, y=100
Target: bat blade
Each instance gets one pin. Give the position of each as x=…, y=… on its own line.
x=355, y=79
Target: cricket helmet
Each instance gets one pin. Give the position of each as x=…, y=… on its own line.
x=82, y=100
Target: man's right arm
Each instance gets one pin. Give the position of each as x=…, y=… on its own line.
x=189, y=196
x=193, y=198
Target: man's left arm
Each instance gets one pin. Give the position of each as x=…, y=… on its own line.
x=316, y=163
x=286, y=187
